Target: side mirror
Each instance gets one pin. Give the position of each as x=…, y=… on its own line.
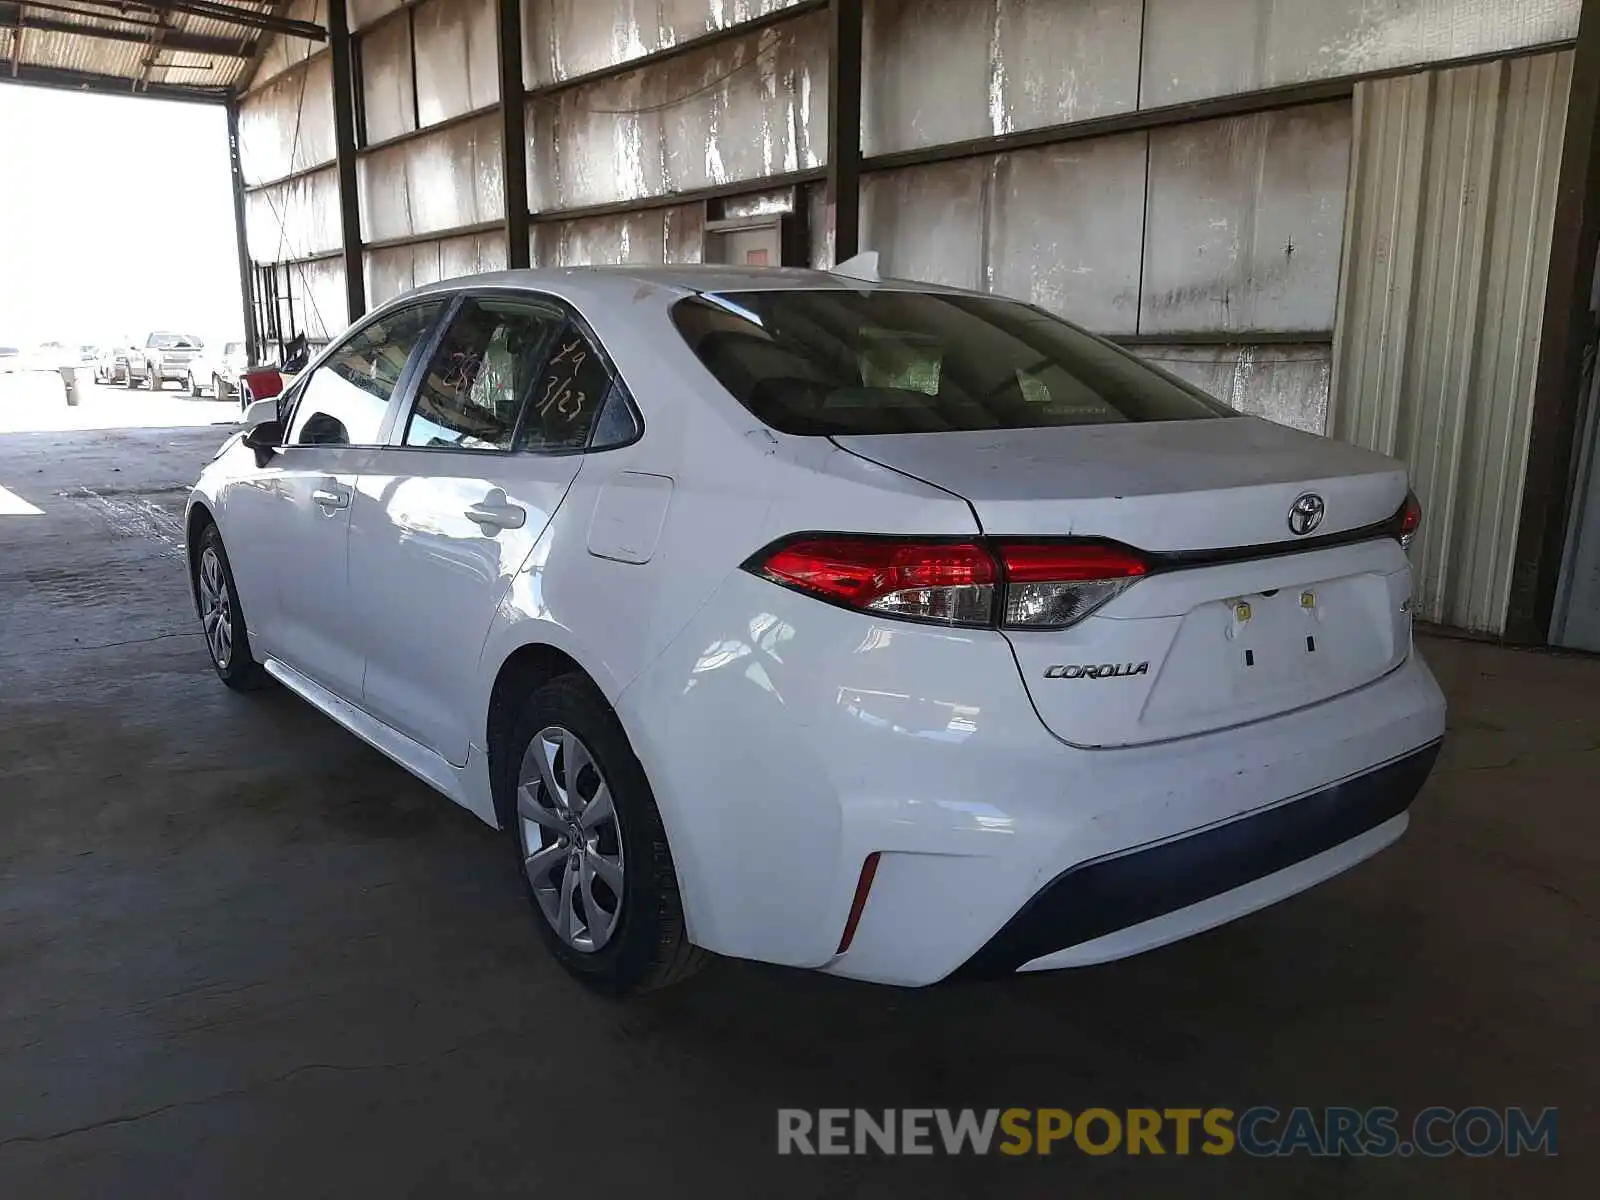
x=264, y=438
x=260, y=412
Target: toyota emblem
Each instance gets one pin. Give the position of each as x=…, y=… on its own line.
x=1305, y=514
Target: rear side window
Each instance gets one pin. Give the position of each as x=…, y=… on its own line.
x=838, y=362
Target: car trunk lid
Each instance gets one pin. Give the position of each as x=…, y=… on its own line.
x=1239, y=617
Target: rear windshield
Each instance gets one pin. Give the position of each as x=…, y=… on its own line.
x=174, y=341
x=839, y=362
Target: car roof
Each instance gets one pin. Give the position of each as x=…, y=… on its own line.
x=603, y=284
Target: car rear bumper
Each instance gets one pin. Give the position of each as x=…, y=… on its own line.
x=787, y=741
x=1092, y=912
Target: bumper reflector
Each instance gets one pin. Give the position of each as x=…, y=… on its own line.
x=863, y=885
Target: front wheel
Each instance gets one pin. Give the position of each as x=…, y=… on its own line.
x=221, y=618
x=591, y=845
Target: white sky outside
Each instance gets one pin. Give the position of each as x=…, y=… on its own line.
x=95, y=240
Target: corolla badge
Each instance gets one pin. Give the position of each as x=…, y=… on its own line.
x=1091, y=671
x=1305, y=514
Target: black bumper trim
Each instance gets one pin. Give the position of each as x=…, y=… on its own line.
x=1107, y=894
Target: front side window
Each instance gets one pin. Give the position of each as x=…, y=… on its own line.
x=834, y=362
x=343, y=401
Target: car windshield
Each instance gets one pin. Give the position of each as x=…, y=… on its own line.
x=837, y=362
x=174, y=341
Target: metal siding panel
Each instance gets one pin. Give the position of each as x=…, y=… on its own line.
x=293, y=219
x=1283, y=383
x=563, y=39
x=448, y=179
x=287, y=126
x=364, y=12
x=388, y=90
x=1065, y=228
x=743, y=109
x=1453, y=192
x=661, y=235
x=458, y=69
x=928, y=222
x=948, y=70
x=1245, y=221
x=1201, y=48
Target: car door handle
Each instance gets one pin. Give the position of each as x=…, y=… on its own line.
x=331, y=498
x=494, y=513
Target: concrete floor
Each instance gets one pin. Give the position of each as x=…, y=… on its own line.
x=243, y=955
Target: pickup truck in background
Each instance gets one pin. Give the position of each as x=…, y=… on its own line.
x=163, y=357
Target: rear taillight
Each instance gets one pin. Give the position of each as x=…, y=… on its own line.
x=1050, y=585
x=952, y=583
x=1017, y=585
x=1408, y=519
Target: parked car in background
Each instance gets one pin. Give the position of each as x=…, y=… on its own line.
x=111, y=364
x=10, y=358
x=164, y=357
x=874, y=627
x=217, y=370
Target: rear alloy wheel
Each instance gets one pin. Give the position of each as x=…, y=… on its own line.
x=222, y=622
x=591, y=845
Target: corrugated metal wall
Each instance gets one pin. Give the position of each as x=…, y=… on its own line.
x=1452, y=197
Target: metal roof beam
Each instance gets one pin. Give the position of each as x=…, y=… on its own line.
x=187, y=43
x=112, y=85
x=267, y=22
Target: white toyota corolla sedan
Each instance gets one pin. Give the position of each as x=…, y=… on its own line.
x=886, y=629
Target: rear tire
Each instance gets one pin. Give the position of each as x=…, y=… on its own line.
x=128, y=380
x=221, y=617
x=192, y=387
x=634, y=939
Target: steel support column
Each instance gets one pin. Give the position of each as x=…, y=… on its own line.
x=844, y=126
x=513, y=133
x=246, y=281
x=1569, y=335
x=344, y=136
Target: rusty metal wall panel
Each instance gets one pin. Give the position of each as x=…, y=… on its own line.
x=458, y=67
x=449, y=179
x=948, y=70
x=659, y=235
x=1200, y=48
x=287, y=126
x=746, y=108
x=1453, y=183
x=387, y=87
x=293, y=219
x=1283, y=383
x=563, y=39
x=1246, y=217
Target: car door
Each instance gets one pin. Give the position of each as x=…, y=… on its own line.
x=294, y=517
x=447, y=514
